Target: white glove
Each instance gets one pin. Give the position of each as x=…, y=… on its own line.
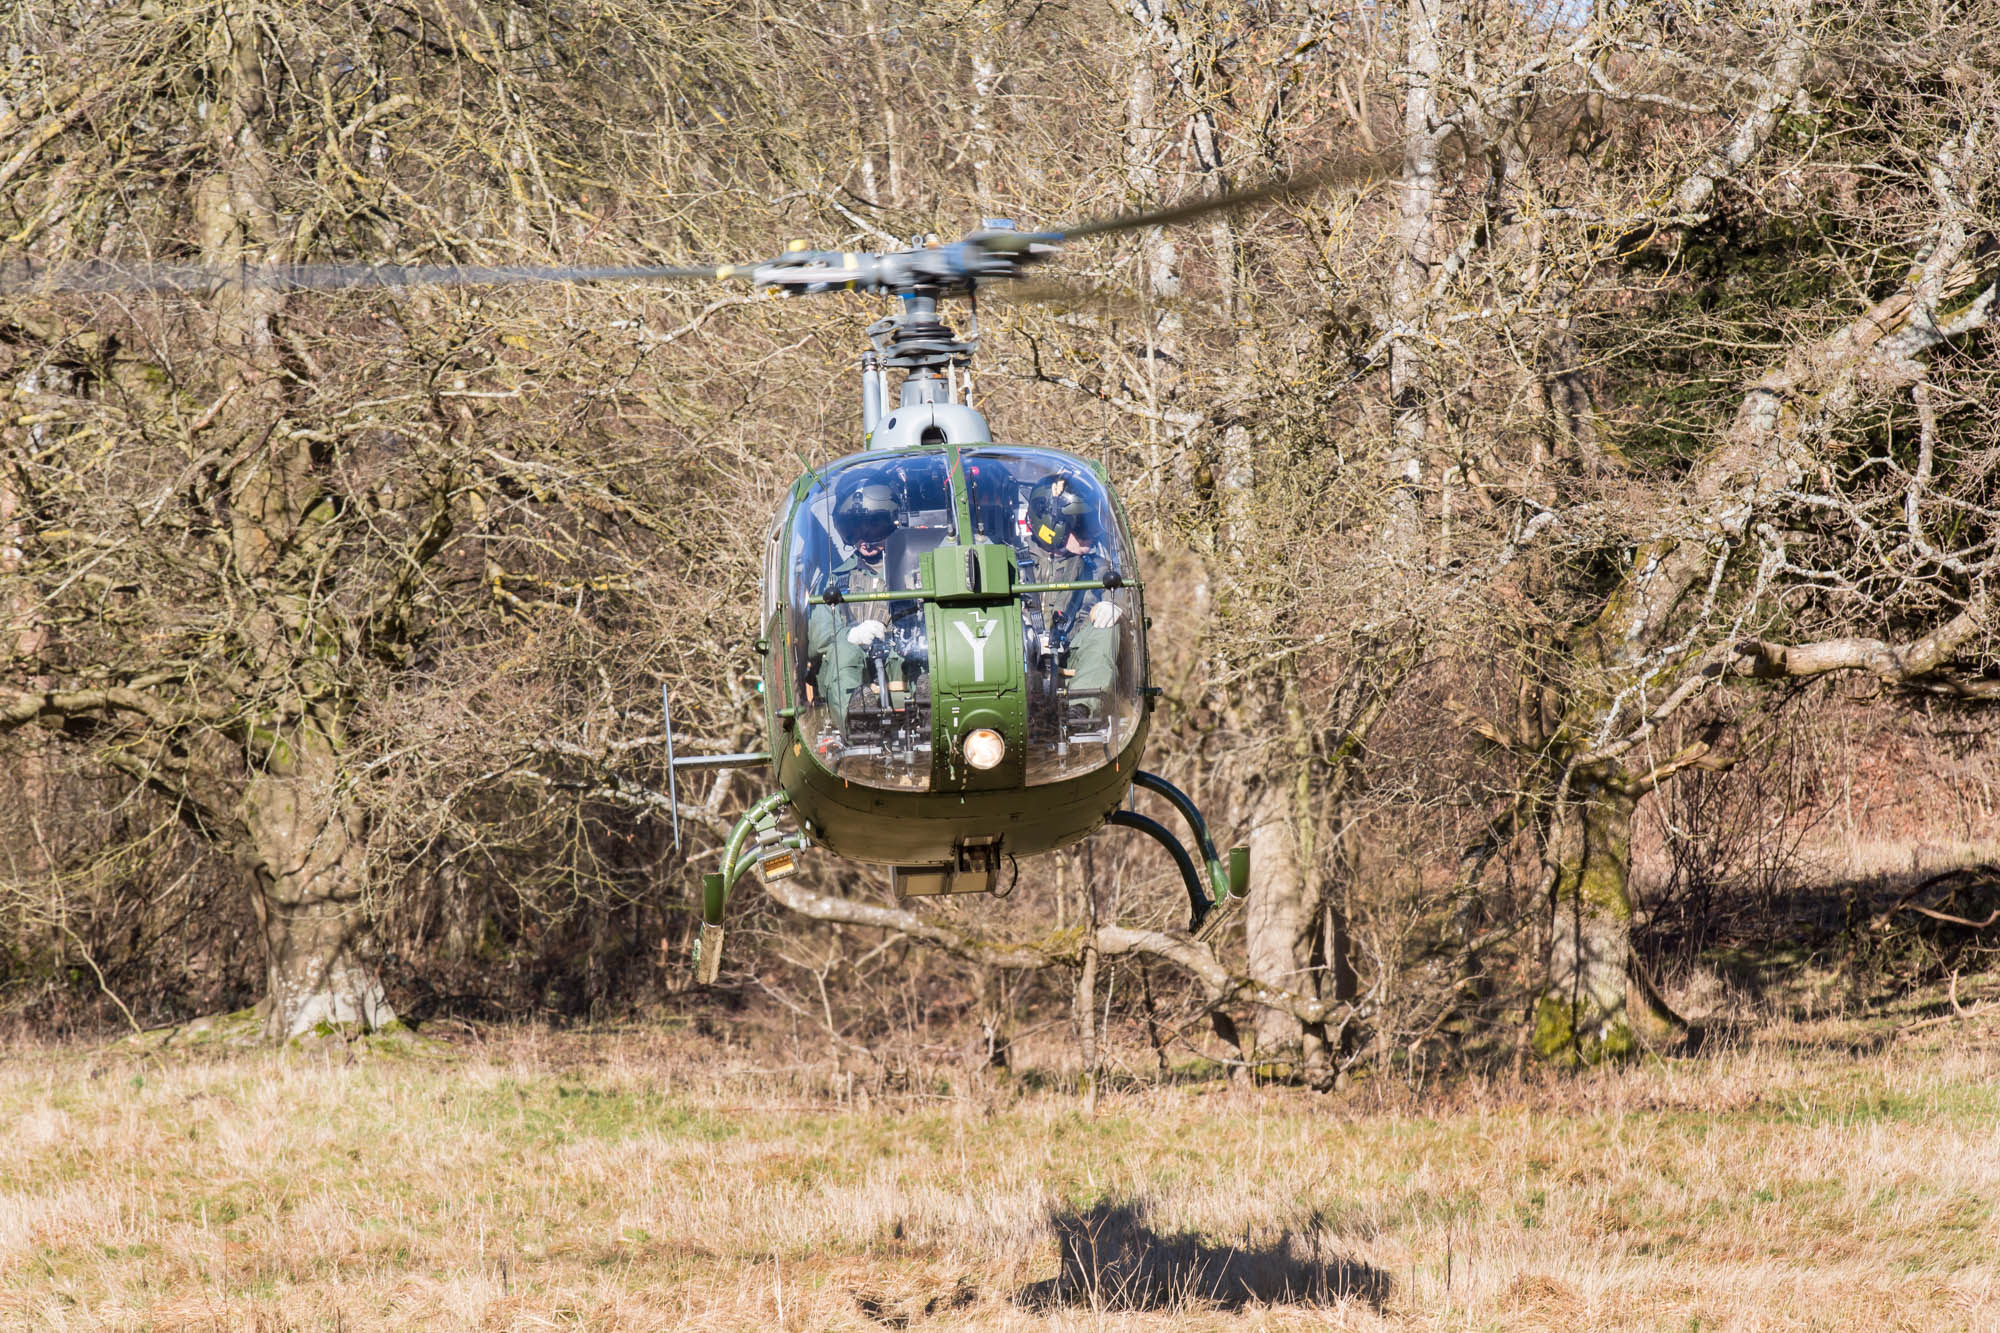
x=866, y=633
x=1105, y=614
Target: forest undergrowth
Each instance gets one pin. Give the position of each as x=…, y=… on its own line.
x=1838, y=1174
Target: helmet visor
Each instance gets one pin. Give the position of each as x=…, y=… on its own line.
x=1057, y=514
x=873, y=528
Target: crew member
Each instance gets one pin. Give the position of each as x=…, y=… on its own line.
x=840, y=638
x=1063, y=548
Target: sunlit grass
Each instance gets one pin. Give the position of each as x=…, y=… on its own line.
x=537, y=1180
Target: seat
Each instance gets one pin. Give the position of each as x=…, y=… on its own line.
x=902, y=550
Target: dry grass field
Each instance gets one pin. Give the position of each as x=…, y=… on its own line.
x=528, y=1180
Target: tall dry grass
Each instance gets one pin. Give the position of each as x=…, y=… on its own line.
x=639, y=1182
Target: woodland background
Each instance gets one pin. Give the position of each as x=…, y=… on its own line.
x=1569, y=545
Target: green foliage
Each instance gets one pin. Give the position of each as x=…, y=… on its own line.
x=545, y=1112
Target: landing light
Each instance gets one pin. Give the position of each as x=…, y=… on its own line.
x=984, y=748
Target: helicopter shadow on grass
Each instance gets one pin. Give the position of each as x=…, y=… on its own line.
x=1113, y=1259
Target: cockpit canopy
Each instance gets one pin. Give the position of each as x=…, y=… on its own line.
x=1009, y=628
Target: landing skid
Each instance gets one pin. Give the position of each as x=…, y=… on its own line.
x=1227, y=881
x=759, y=839
x=771, y=851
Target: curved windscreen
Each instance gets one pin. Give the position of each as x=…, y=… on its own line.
x=926, y=608
x=862, y=659
x=1080, y=644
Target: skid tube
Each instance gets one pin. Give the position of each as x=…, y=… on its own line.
x=1228, y=881
x=716, y=886
x=1157, y=831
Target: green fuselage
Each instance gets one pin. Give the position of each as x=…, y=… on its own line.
x=972, y=597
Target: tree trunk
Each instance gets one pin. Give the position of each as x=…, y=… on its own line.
x=23, y=641
x=1416, y=254
x=304, y=850
x=300, y=838
x=985, y=90
x=1586, y=1013
x=878, y=19
x=1145, y=141
x=1279, y=918
x=1086, y=981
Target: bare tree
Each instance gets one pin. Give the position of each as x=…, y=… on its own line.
x=248, y=515
x=1652, y=372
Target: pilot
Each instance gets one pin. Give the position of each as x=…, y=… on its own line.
x=839, y=638
x=1062, y=548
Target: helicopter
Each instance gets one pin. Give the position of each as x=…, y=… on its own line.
x=952, y=633
x=951, y=630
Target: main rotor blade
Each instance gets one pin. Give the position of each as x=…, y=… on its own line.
x=111, y=276
x=1076, y=296
x=1337, y=171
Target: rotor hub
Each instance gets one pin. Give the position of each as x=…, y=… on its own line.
x=907, y=344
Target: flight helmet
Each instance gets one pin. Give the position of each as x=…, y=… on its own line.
x=1056, y=511
x=866, y=512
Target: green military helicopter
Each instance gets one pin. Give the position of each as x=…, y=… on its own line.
x=952, y=631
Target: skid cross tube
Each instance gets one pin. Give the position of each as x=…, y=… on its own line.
x=1158, y=832
x=1218, y=873
x=734, y=863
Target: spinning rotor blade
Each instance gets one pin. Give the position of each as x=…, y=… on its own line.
x=998, y=250
x=1356, y=170
x=1070, y=296
x=110, y=276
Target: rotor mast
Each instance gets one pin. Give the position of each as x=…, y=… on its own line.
x=917, y=341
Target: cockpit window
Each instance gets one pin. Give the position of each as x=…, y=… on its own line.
x=863, y=660
x=1037, y=642
x=1081, y=645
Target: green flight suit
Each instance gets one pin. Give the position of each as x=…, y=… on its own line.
x=843, y=666
x=1093, y=652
